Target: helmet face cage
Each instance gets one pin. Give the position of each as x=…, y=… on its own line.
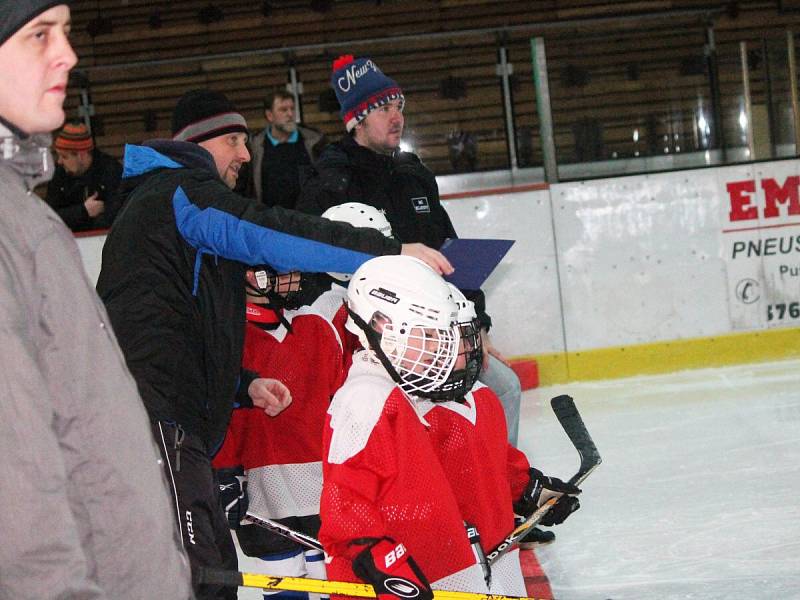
x=470, y=350
x=423, y=357
x=404, y=314
x=282, y=291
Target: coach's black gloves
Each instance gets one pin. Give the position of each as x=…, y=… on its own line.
x=233, y=494
x=392, y=572
x=540, y=489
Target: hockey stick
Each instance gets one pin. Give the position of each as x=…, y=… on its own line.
x=287, y=532
x=570, y=419
x=320, y=586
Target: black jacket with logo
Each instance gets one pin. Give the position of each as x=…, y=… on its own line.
x=400, y=185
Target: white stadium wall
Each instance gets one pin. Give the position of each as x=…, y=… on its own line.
x=522, y=294
x=645, y=273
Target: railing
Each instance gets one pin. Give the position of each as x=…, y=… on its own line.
x=545, y=101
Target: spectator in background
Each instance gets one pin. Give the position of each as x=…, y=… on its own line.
x=281, y=153
x=85, y=511
x=85, y=181
x=367, y=166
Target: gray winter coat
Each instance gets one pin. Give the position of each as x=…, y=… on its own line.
x=84, y=507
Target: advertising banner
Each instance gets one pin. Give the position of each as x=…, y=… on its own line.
x=761, y=242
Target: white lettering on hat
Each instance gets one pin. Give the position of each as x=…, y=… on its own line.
x=353, y=74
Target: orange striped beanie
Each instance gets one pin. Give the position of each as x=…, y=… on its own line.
x=74, y=137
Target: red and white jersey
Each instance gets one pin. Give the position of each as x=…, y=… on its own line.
x=486, y=472
x=332, y=302
x=382, y=479
x=282, y=455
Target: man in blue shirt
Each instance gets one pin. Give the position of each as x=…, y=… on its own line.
x=281, y=153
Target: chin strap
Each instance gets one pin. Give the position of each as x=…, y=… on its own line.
x=275, y=303
x=374, y=341
x=262, y=315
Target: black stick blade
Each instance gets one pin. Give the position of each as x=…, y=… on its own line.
x=570, y=419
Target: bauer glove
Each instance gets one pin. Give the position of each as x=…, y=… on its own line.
x=540, y=489
x=391, y=571
x=233, y=494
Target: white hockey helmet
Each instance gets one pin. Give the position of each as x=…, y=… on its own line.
x=402, y=311
x=358, y=215
x=466, y=308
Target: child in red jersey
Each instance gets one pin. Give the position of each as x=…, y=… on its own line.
x=309, y=350
x=281, y=456
x=389, y=515
x=487, y=474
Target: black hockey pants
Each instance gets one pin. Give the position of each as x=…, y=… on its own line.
x=203, y=526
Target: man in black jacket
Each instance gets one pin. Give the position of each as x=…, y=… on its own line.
x=172, y=278
x=85, y=181
x=367, y=166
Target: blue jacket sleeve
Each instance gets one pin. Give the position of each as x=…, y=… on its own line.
x=214, y=220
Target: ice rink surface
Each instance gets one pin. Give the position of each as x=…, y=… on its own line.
x=698, y=496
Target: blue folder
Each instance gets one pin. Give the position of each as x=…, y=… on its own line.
x=473, y=260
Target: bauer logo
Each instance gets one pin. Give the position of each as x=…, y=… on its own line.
x=402, y=588
x=384, y=295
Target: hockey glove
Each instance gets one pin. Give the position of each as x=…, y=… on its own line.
x=233, y=494
x=392, y=572
x=540, y=489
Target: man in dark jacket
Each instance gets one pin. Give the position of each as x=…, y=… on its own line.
x=172, y=278
x=367, y=166
x=282, y=153
x=85, y=181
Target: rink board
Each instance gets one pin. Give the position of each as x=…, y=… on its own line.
x=646, y=273
x=638, y=274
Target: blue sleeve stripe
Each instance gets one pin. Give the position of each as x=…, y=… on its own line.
x=220, y=233
x=141, y=159
x=198, y=262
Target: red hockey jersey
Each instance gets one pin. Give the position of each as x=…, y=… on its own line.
x=486, y=472
x=382, y=478
x=282, y=455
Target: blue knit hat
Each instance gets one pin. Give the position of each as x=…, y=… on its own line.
x=361, y=87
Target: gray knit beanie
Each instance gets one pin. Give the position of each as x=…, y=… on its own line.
x=16, y=13
x=204, y=114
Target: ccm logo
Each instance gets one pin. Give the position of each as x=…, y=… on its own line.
x=190, y=527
